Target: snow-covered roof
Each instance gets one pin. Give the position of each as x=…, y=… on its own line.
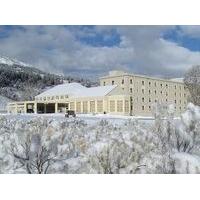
x=77, y=90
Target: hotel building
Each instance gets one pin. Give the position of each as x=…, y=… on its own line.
x=119, y=93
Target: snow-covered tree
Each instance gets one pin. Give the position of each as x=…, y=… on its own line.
x=192, y=83
x=55, y=145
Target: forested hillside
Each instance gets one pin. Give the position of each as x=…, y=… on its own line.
x=19, y=81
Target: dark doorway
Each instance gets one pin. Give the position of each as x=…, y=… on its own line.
x=46, y=108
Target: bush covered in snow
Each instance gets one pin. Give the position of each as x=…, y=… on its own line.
x=44, y=145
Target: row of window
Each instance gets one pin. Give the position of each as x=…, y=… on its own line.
x=180, y=108
x=143, y=83
x=175, y=101
x=87, y=106
x=119, y=106
x=155, y=92
x=52, y=98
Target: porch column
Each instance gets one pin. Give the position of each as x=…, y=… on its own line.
x=35, y=108
x=16, y=108
x=95, y=106
x=25, y=107
x=56, y=107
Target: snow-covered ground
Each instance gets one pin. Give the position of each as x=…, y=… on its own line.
x=51, y=143
x=88, y=118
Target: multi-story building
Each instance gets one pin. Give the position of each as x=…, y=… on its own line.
x=119, y=93
x=144, y=91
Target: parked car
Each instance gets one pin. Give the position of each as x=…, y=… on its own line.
x=70, y=113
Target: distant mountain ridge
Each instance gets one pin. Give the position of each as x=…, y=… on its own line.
x=21, y=81
x=11, y=61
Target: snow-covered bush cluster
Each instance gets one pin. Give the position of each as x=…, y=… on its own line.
x=44, y=145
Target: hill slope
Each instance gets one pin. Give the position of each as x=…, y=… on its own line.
x=3, y=103
x=20, y=81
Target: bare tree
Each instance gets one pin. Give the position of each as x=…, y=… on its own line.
x=34, y=156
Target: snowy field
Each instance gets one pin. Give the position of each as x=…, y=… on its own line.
x=51, y=143
x=88, y=118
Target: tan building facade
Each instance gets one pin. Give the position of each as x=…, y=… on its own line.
x=119, y=93
x=144, y=91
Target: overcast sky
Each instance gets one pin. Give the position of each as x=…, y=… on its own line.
x=165, y=51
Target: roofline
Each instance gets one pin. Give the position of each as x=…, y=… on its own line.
x=111, y=90
x=142, y=76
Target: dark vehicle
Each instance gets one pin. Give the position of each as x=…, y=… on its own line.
x=70, y=112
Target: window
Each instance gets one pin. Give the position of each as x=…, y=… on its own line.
x=120, y=106
x=85, y=107
x=142, y=99
x=142, y=91
x=66, y=96
x=166, y=94
x=160, y=92
x=155, y=91
x=149, y=84
x=142, y=82
x=126, y=106
x=155, y=100
x=131, y=90
x=166, y=86
x=122, y=81
x=142, y=107
x=155, y=84
x=131, y=81
x=175, y=86
x=57, y=97
x=62, y=97
x=149, y=100
x=104, y=83
x=113, y=82
x=149, y=91
x=174, y=101
x=175, y=93
x=48, y=98
x=161, y=85
x=99, y=106
x=149, y=107
x=166, y=100
x=92, y=106
x=112, y=106
x=78, y=107
x=72, y=106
